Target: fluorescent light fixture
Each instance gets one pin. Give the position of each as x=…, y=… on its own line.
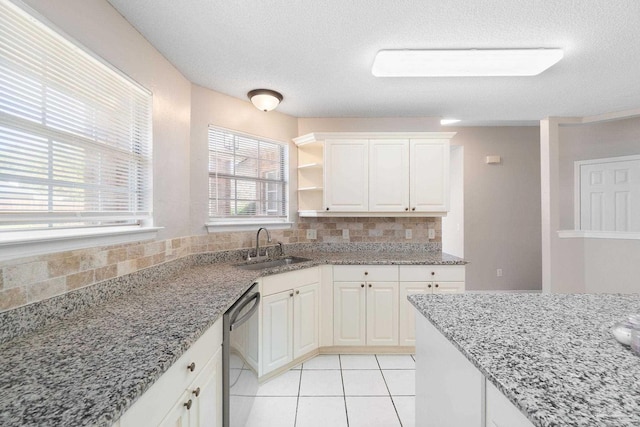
x=445, y=122
x=464, y=63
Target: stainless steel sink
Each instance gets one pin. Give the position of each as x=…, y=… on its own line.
x=272, y=263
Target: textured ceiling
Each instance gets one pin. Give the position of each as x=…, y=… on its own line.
x=318, y=53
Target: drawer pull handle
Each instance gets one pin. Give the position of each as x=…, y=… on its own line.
x=192, y=366
x=188, y=404
x=197, y=392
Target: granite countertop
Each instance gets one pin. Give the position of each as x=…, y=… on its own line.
x=552, y=356
x=88, y=365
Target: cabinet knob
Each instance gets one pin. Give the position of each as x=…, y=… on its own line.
x=433, y=273
x=369, y=284
x=291, y=294
x=192, y=366
x=196, y=392
x=406, y=209
x=437, y=286
x=327, y=208
x=188, y=404
x=297, y=292
x=429, y=286
x=413, y=209
x=366, y=273
x=362, y=285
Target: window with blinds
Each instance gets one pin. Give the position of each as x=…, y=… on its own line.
x=75, y=134
x=247, y=177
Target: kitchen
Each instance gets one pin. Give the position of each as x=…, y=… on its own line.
x=503, y=225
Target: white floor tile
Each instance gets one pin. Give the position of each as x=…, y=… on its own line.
x=273, y=412
x=406, y=407
x=371, y=412
x=321, y=383
x=321, y=412
x=323, y=361
x=364, y=383
x=358, y=361
x=401, y=382
x=396, y=361
x=286, y=384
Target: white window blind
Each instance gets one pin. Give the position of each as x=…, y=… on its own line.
x=75, y=135
x=247, y=177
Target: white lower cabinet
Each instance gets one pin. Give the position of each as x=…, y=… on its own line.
x=451, y=391
x=290, y=318
x=425, y=279
x=365, y=312
x=189, y=393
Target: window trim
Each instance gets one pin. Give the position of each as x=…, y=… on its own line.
x=224, y=224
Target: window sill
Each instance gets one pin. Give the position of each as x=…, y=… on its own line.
x=584, y=234
x=227, y=226
x=31, y=243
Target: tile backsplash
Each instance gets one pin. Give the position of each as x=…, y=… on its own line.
x=27, y=280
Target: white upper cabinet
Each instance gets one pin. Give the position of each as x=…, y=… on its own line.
x=373, y=173
x=389, y=175
x=346, y=179
x=429, y=175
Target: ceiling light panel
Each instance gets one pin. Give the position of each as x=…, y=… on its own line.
x=464, y=63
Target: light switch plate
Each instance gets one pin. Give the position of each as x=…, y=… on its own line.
x=432, y=233
x=311, y=234
x=408, y=234
x=345, y=233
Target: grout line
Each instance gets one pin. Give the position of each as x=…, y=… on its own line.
x=387, y=386
x=344, y=393
x=295, y=419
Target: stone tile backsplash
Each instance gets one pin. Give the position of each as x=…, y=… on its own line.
x=27, y=280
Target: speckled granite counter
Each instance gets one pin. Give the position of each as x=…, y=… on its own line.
x=83, y=358
x=552, y=356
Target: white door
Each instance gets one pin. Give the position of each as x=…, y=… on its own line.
x=306, y=319
x=179, y=415
x=206, y=393
x=610, y=196
x=277, y=331
x=346, y=178
x=429, y=188
x=349, y=313
x=382, y=313
x=389, y=175
x=407, y=322
x=448, y=287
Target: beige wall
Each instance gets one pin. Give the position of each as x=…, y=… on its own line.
x=501, y=207
x=593, y=265
x=100, y=28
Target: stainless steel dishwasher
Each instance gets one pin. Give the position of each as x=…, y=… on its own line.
x=240, y=358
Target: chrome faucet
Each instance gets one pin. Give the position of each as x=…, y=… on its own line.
x=258, y=241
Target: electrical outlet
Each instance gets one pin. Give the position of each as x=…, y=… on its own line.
x=499, y=272
x=345, y=233
x=311, y=234
x=432, y=233
x=408, y=234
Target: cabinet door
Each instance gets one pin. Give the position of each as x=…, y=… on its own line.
x=306, y=319
x=206, y=393
x=346, y=177
x=429, y=189
x=382, y=313
x=407, y=334
x=179, y=415
x=389, y=175
x=448, y=287
x=502, y=413
x=349, y=313
x=277, y=331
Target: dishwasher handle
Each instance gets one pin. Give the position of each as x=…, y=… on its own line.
x=235, y=322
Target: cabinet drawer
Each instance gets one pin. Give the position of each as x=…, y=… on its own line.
x=429, y=273
x=369, y=273
x=293, y=279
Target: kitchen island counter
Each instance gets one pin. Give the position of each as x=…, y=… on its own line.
x=552, y=356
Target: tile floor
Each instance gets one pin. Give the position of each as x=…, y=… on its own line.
x=340, y=391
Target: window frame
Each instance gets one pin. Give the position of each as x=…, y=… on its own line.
x=242, y=223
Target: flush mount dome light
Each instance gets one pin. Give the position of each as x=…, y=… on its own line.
x=265, y=99
x=464, y=63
